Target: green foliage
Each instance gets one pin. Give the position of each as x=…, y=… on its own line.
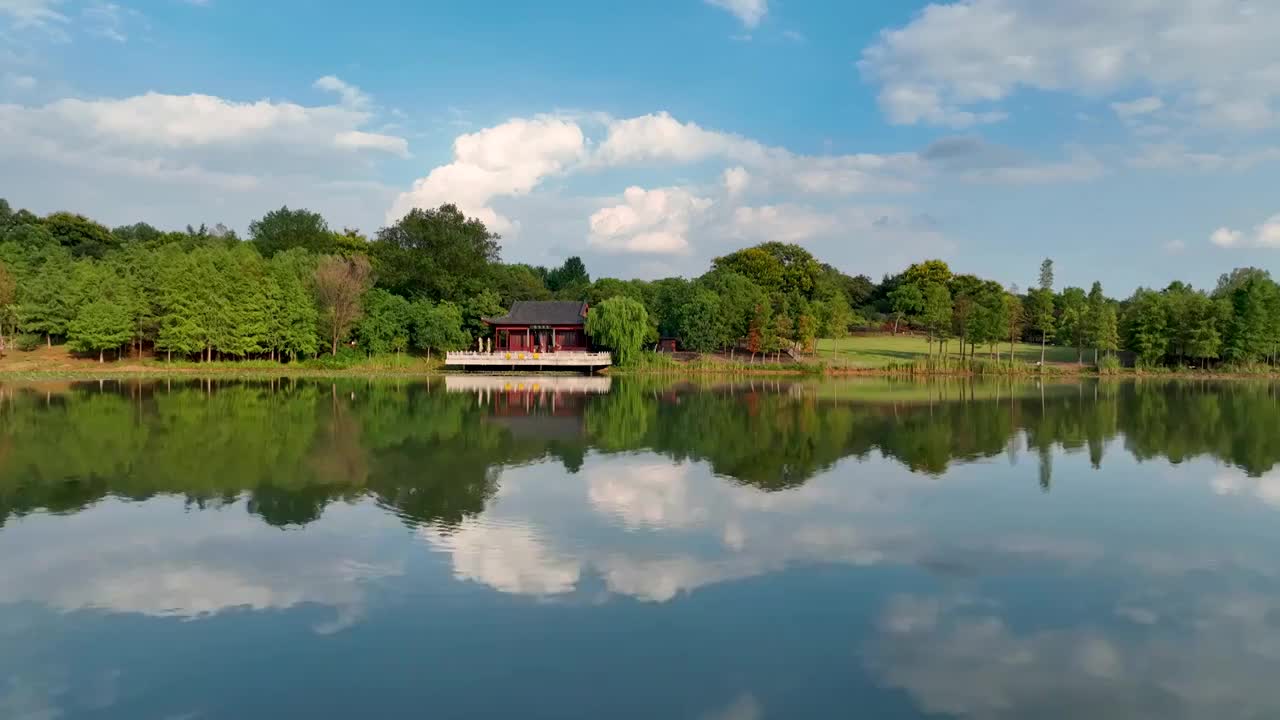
x=905, y=300
x=1046, y=275
x=619, y=324
x=100, y=325
x=285, y=229
x=80, y=235
x=436, y=254
x=702, y=325
x=438, y=326
x=386, y=323
x=570, y=280
x=922, y=274
x=775, y=267
x=1146, y=326
x=28, y=342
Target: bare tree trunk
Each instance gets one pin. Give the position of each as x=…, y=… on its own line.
x=100, y=360
x=48, y=340
x=896, y=320
x=335, y=343
x=1042, y=342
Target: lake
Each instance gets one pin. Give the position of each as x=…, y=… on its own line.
x=594, y=548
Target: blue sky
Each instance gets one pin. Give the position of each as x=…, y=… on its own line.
x=1132, y=141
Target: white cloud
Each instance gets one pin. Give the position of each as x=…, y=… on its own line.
x=351, y=95
x=1174, y=247
x=648, y=221
x=1266, y=235
x=736, y=180
x=954, y=63
x=645, y=495
x=183, y=565
x=658, y=137
x=32, y=13
x=508, y=558
x=172, y=159
x=507, y=159
x=749, y=12
x=1265, y=488
x=1138, y=107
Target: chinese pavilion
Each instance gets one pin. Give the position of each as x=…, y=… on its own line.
x=538, y=326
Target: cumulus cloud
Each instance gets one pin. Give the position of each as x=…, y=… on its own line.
x=735, y=180
x=749, y=12
x=507, y=159
x=1266, y=235
x=955, y=63
x=648, y=221
x=172, y=159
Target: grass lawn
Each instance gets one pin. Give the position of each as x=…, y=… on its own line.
x=874, y=351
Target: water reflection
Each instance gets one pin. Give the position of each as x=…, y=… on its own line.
x=801, y=549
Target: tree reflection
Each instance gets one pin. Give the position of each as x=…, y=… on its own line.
x=291, y=447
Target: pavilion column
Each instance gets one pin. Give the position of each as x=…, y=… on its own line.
x=553, y=339
x=528, y=339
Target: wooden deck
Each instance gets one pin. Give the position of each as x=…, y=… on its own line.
x=517, y=360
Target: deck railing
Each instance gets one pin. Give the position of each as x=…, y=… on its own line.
x=529, y=358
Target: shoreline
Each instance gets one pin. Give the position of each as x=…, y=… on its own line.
x=136, y=371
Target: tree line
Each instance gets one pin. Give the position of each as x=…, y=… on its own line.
x=295, y=288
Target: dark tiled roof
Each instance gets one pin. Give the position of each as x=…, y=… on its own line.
x=534, y=312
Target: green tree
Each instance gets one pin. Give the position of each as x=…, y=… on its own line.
x=1108, y=338
x=1046, y=275
x=620, y=324
x=570, y=280
x=921, y=274
x=1146, y=326
x=384, y=327
x=294, y=329
x=1096, y=303
x=775, y=267
x=518, y=282
x=44, y=301
x=738, y=297
x=703, y=327
x=1014, y=317
x=438, y=326
x=936, y=314
x=905, y=300
x=1073, y=319
x=1039, y=313
x=437, y=254
x=1202, y=339
x=80, y=235
x=99, y=326
x=285, y=229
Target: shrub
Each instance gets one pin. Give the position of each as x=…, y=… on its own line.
x=1109, y=365
x=28, y=342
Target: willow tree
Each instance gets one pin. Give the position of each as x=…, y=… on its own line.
x=619, y=324
x=340, y=283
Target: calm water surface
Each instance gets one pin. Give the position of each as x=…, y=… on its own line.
x=585, y=549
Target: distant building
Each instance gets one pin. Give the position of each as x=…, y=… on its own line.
x=538, y=326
